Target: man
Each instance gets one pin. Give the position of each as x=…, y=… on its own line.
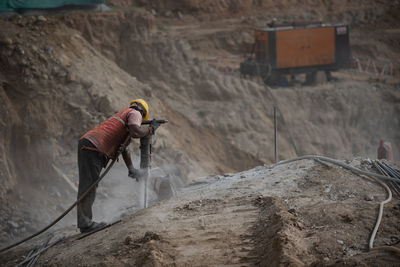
x=101, y=144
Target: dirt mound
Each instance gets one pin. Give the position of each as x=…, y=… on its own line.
x=279, y=233
x=151, y=249
x=298, y=214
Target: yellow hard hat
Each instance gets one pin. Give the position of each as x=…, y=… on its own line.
x=144, y=105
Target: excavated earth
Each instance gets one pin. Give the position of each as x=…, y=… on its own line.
x=297, y=214
x=62, y=74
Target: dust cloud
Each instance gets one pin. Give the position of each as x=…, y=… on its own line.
x=119, y=195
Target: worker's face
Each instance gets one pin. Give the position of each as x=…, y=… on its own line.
x=141, y=109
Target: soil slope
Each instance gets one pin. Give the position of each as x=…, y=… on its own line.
x=297, y=214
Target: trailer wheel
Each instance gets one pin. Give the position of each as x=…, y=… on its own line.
x=272, y=79
x=311, y=78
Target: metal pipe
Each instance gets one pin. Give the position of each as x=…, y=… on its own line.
x=145, y=162
x=275, y=136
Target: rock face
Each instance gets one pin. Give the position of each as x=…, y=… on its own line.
x=355, y=11
x=49, y=99
x=8, y=121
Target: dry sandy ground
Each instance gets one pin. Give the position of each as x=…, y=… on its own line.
x=298, y=214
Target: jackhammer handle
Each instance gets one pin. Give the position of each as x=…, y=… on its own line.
x=158, y=121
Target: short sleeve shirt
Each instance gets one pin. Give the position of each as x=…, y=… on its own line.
x=134, y=117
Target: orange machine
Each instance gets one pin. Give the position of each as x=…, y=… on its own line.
x=293, y=49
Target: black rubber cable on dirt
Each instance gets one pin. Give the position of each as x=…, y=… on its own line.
x=43, y=248
x=73, y=205
x=336, y=162
x=390, y=172
x=31, y=259
x=385, y=172
x=395, y=171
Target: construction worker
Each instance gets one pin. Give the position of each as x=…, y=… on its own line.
x=99, y=145
x=385, y=150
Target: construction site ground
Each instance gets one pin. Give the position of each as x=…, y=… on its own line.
x=297, y=214
x=62, y=74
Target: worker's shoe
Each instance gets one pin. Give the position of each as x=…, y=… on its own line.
x=93, y=226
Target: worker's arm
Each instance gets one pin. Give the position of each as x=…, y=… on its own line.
x=137, y=131
x=132, y=172
x=134, y=125
x=127, y=159
x=127, y=156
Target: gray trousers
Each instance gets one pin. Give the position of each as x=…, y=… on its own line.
x=90, y=164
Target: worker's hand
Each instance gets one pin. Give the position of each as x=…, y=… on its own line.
x=154, y=125
x=135, y=173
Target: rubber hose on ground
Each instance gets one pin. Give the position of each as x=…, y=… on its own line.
x=375, y=176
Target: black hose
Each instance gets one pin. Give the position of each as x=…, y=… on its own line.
x=341, y=164
x=395, y=173
x=386, y=170
x=41, y=250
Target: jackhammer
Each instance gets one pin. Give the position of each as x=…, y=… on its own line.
x=145, y=154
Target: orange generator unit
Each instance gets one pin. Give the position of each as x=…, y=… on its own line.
x=292, y=49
